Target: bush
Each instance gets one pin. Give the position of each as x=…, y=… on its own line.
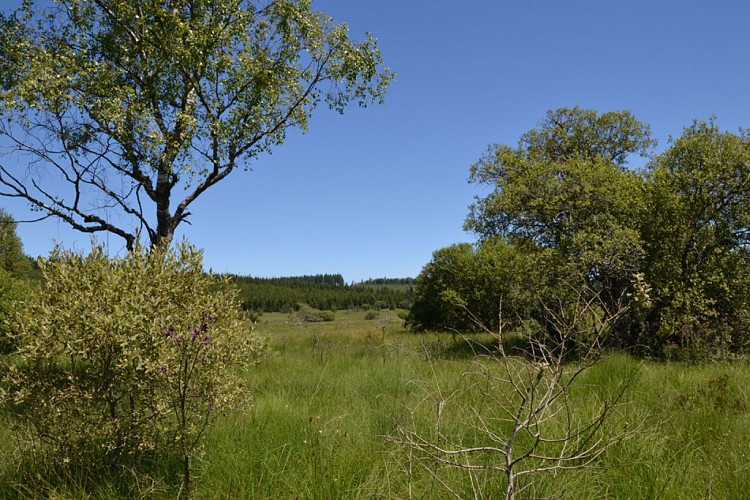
x=309, y=314
x=326, y=315
x=121, y=359
x=370, y=315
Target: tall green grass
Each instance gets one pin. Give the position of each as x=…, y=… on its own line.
x=329, y=397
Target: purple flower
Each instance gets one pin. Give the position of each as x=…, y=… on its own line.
x=169, y=332
x=163, y=369
x=206, y=340
x=196, y=332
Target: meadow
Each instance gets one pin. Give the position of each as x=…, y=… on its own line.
x=329, y=398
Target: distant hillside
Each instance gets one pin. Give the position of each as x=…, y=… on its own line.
x=322, y=291
x=312, y=279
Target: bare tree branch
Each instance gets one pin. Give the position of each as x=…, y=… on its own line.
x=527, y=419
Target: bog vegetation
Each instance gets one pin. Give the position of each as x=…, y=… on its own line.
x=595, y=333
x=328, y=400
x=549, y=358
x=117, y=362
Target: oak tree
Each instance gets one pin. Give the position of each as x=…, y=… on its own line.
x=567, y=187
x=697, y=234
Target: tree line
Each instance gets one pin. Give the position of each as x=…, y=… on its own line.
x=567, y=213
x=315, y=279
x=324, y=292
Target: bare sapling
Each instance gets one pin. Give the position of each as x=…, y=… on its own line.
x=521, y=420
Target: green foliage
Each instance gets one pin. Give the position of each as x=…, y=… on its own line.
x=671, y=240
x=283, y=294
x=697, y=232
x=320, y=429
x=564, y=187
x=145, y=105
x=122, y=359
x=313, y=279
x=305, y=313
x=16, y=274
x=12, y=292
x=12, y=258
x=371, y=315
x=575, y=133
x=463, y=287
x=388, y=281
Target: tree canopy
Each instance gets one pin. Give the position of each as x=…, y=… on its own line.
x=121, y=113
x=668, y=240
x=696, y=235
x=565, y=187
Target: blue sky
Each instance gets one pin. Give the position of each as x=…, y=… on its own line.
x=375, y=191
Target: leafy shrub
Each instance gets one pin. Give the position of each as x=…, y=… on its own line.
x=326, y=315
x=464, y=285
x=120, y=359
x=370, y=315
x=309, y=314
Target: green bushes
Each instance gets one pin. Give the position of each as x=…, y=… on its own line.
x=672, y=238
x=696, y=239
x=305, y=313
x=462, y=287
x=123, y=359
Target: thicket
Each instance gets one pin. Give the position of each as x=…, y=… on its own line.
x=567, y=211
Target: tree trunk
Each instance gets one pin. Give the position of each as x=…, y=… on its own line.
x=165, y=223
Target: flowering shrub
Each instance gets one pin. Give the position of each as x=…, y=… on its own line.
x=126, y=357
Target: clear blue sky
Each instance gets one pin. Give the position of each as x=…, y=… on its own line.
x=374, y=192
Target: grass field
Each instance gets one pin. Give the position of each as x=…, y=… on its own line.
x=329, y=397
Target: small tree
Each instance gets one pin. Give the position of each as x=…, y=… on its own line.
x=462, y=284
x=524, y=423
x=119, y=359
